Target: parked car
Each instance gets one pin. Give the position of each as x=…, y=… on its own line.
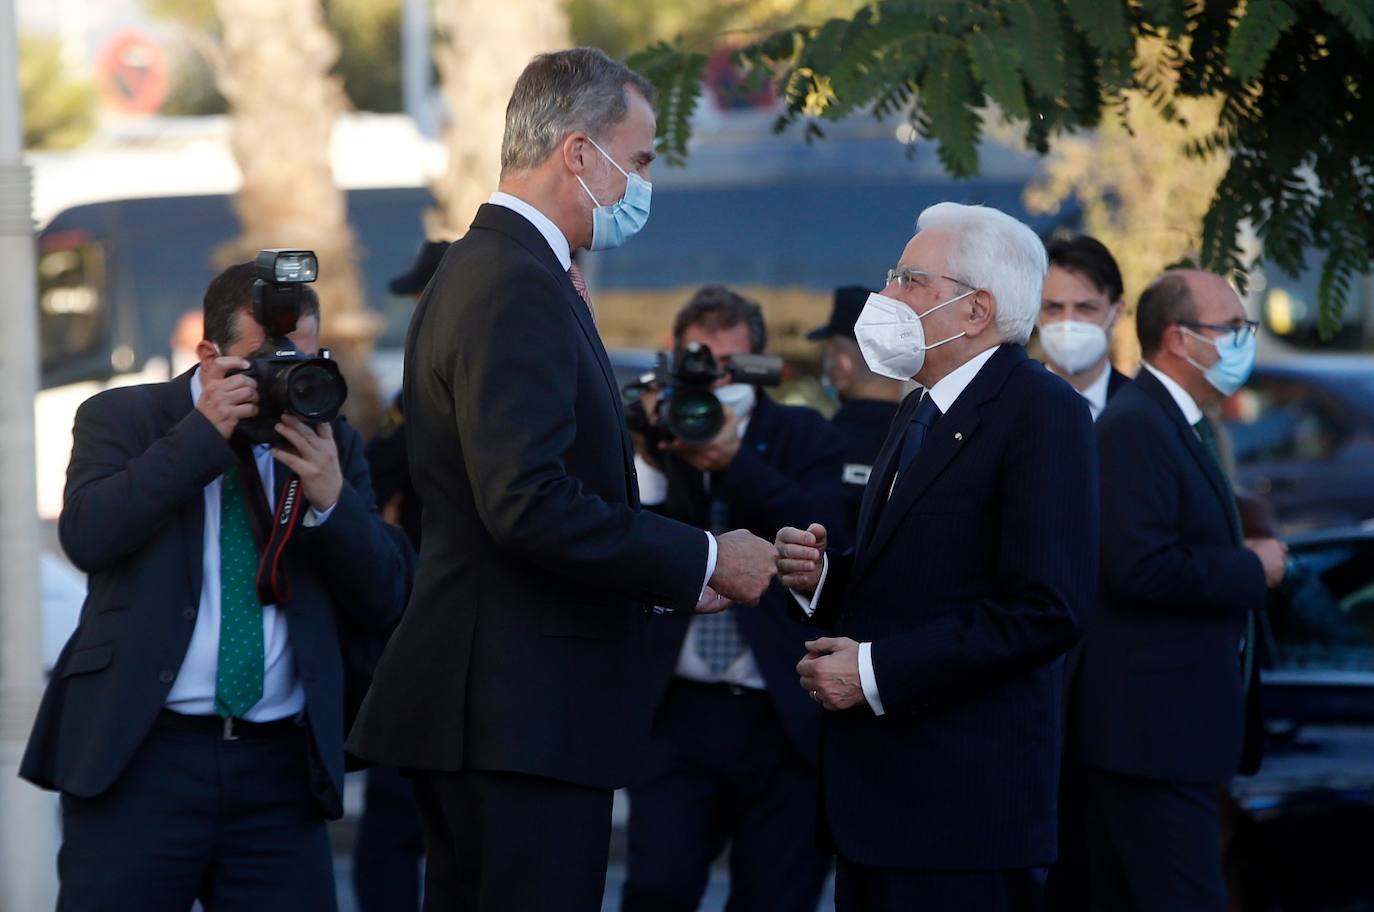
x=1302, y=433
x=1299, y=831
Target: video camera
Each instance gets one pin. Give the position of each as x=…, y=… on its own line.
x=289, y=382
x=687, y=408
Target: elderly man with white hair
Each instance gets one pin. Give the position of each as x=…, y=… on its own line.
x=976, y=555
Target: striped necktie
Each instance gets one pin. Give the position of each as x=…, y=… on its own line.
x=581, y=285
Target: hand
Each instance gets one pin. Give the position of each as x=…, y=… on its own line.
x=314, y=457
x=716, y=454
x=711, y=602
x=1273, y=554
x=745, y=565
x=799, y=557
x=226, y=401
x=830, y=673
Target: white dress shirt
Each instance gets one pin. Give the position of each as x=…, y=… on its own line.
x=558, y=242
x=945, y=392
x=1096, y=393
x=1186, y=404
x=193, y=691
x=744, y=671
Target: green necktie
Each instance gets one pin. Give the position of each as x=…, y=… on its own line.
x=1209, y=443
x=238, y=679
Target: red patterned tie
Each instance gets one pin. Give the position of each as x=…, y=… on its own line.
x=576, y=275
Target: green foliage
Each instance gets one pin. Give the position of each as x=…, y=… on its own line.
x=1295, y=81
x=678, y=78
x=59, y=112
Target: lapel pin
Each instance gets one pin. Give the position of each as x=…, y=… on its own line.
x=958, y=435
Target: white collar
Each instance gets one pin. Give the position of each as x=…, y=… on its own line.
x=1096, y=393
x=1186, y=404
x=557, y=242
x=949, y=387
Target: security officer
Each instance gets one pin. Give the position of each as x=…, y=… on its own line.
x=868, y=402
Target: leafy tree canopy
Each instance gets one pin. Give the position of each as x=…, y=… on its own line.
x=1293, y=81
x=59, y=112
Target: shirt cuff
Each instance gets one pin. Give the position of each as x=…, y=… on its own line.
x=808, y=605
x=868, y=680
x=315, y=518
x=711, y=552
x=653, y=484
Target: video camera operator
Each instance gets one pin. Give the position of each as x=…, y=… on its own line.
x=195, y=720
x=733, y=751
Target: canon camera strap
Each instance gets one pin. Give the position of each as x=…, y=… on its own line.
x=272, y=532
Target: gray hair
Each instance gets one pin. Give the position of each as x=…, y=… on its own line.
x=993, y=251
x=563, y=92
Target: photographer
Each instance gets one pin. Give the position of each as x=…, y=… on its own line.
x=194, y=727
x=733, y=751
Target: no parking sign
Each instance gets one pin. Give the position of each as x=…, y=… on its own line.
x=131, y=73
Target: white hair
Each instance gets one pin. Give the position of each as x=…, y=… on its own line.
x=993, y=251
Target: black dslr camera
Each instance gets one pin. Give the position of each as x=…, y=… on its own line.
x=687, y=409
x=289, y=382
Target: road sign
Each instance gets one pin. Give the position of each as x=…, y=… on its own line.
x=131, y=72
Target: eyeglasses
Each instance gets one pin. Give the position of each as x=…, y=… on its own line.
x=907, y=276
x=1241, y=331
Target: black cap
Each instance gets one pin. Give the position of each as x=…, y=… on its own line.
x=849, y=303
x=413, y=281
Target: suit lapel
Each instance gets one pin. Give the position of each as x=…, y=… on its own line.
x=177, y=405
x=951, y=433
x=1150, y=384
x=880, y=477
x=519, y=229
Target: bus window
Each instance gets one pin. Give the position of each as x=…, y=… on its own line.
x=73, y=322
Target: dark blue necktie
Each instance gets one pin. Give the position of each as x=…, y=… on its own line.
x=927, y=413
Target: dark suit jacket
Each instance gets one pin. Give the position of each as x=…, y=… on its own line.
x=1115, y=382
x=967, y=582
x=133, y=520
x=864, y=424
x=1159, y=690
x=787, y=473
x=522, y=648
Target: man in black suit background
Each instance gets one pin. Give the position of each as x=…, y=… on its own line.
x=1079, y=308
x=976, y=553
x=868, y=401
x=733, y=756
x=514, y=686
x=1168, y=655
x=195, y=733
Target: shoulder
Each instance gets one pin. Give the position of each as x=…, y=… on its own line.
x=124, y=401
x=803, y=421
x=1035, y=392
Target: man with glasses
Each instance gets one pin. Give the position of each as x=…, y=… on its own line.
x=977, y=550
x=1168, y=655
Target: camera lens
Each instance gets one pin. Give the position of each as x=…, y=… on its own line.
x=694, y=415
x=315, y=390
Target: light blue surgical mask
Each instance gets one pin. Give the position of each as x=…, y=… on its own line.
x=615, y=224
x=1233, y=364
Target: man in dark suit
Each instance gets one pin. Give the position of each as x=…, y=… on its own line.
x=1158, y=708
x=733, y=756
x=1079, y=308
x=390, y=844
x=868, y=401
x=976, y=552
x=196, y=733
x=513, y=687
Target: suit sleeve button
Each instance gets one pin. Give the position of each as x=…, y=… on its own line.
x=166, y=677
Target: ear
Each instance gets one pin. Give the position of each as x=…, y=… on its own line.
x=1114, y=311
x=575, y=150
x=842, y=367
x=1176, y=342
x=982, y=312
x=206, y=351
